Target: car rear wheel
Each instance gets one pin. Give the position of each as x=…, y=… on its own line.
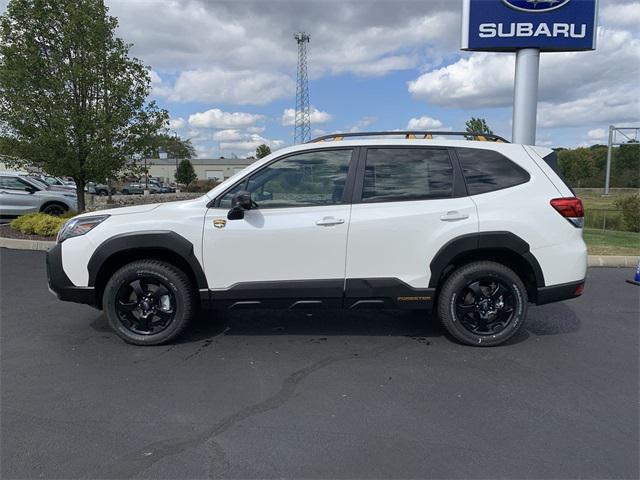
x=149, y=302
x=55, y=209
x=483, y=304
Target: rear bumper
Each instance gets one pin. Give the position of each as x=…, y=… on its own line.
x=557, y=293
x=61, y=286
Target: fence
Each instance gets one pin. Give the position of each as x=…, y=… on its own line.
x=604, y=219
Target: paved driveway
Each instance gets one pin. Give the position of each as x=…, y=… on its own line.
x=333, y=395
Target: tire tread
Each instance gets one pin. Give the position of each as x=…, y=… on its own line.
x=182, y=283
x=445, y=294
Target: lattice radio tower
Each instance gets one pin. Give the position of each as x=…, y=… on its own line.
x=302, y=129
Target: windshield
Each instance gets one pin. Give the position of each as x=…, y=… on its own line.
x=53, y=181
x=38, y=183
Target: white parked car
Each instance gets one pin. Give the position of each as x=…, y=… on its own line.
x=473, y=230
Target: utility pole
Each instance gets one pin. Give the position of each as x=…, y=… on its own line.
x=607, y=180
x=302, y=128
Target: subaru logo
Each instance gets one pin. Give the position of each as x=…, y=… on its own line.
x=535, y=5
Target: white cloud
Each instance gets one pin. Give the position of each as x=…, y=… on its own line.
x=251, y=142
x=576, y=88
x=362, y=124
x=601, y=107
x=316, y=116
x=216, y=118
x=423, y=123
x=483, y=79
x=597, y=134
x=227, y=135
x=619, y=15
x=346, y=37
x=242, y=87
x=177, y=123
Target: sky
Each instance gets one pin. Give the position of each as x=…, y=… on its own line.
x=226, y=71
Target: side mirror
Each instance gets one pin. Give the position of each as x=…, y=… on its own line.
x=240, y=202
x=30, y=189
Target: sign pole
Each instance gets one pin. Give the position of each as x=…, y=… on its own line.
x=609, y=154
x=525, y=97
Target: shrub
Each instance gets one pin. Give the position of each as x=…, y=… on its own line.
x=630, y=207
x=39, y=224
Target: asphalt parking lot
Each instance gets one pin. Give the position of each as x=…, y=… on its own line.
x=335, y=395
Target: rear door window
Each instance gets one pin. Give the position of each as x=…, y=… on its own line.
x=486, y=171
x=404, y=174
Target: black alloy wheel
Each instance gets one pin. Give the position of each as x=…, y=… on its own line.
x=149, y=302
x=145, y=306
x=482, y=303
x=54, y=209
x=485, y=306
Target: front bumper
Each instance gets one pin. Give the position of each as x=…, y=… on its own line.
x=557, y=293
x=61, y=286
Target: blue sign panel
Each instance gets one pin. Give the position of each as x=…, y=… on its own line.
x=508, y=25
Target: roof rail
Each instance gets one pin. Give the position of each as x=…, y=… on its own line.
x=426, y=135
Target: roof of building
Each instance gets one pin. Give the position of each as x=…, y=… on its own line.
x=203, y=161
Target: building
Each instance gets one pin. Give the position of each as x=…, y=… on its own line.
x=206, y=168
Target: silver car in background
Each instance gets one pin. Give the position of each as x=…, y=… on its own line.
x=21, y=193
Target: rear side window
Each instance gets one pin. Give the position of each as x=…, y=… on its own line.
x=396, y=174
x=486, y=171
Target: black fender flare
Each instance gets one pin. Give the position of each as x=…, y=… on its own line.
x=156, y=239
x=473, y=242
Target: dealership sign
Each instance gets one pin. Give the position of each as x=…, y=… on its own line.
x=510, y=25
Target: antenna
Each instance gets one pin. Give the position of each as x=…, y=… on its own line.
x=302, y=129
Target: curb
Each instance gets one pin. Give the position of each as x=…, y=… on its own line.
x=16, y=244
x=613, y=261
x=594, y=260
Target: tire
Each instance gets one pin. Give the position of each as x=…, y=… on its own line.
x=169, y=296
x=55, y=209
x=483, y=304
x=125, y=192
x=102, y=193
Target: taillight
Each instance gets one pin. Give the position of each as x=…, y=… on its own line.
x=570, y=208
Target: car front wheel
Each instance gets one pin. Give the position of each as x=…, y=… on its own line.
x=54, y=209
x=483, y=304
x=149, y=302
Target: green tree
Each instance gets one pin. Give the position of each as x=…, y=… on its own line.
x=625, y=168
x=262, y=151
x=174, y=146
x=477, y=125
x=185, y=174
x=72, y=100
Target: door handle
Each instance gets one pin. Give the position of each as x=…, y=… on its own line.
x=454, y=216
x=329, y=222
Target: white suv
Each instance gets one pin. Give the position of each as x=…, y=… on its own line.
x=474, y=230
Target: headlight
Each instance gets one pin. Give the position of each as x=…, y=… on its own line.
x=79, y=226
